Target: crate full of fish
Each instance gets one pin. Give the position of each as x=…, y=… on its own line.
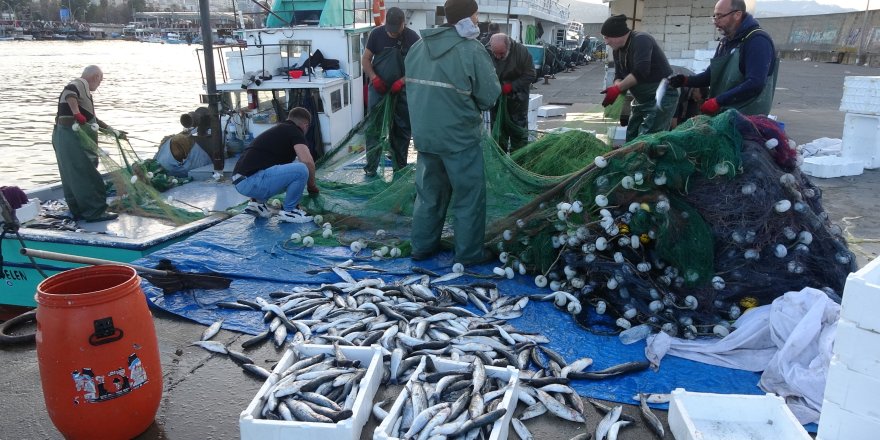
x=316, y=392
x=448, y=398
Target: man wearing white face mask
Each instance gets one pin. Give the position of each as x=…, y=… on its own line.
x=450, y=79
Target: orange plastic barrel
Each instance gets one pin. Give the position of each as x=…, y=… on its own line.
x=97, y=352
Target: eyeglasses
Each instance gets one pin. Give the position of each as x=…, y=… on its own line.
x=717, y=17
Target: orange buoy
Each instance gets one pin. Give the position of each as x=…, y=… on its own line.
x=378, y=12
x=97, y=353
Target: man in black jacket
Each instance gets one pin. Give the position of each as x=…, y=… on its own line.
x=516, y=72
x=639, y=67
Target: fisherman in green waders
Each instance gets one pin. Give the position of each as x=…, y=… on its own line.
x=382, y=60
x=450, y=79
x=639, y=67
x=742, y=74
x=84, y=189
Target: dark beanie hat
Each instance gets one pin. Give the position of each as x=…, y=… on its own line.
x=458, y=9
x=615, y=26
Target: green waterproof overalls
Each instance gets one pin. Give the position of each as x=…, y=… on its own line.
x=725, y=75
x=388, y=64
x=84, y=189
x=645, y=117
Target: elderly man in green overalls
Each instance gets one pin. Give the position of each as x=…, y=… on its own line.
x=639, y=67
x=742, y=74
x=382, y=60
x=84, y=189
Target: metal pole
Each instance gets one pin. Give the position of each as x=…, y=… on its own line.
x=862, y=33
x=218, y=150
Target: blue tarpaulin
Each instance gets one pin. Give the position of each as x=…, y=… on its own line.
x=258, y=255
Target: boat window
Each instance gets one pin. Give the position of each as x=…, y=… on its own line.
x=354, y=56
x=296, y=51
x=345, y=94
x=335, y=100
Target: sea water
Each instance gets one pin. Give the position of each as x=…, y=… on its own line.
x=145, y=89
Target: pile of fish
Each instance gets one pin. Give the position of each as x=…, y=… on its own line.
x=461, y=401
x=320, y=388
x=416, y=320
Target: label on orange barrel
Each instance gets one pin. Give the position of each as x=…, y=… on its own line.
x=92, y=387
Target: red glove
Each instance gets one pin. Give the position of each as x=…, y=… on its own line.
x=80, y=118
x=398, y=86
x=313, y=190
x=710, y=107
x=611, y=95
x=379, y=85
x=507, y=88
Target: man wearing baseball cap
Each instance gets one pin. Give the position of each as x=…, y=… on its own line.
x=383, y=57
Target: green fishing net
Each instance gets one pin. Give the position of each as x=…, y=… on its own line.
x=136, y=185
x=357, y=206
x=680, y=230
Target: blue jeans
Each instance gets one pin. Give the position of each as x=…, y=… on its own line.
x=262, y=185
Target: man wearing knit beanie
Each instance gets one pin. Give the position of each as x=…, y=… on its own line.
x=450, y=79
x=639, y=67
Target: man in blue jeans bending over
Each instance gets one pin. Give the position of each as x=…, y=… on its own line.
x=278, y=160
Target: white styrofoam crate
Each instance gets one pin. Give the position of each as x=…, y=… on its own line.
x=547, y=111
x=535, y=101
x=254, y=428
x=533, y=119
x=704, y=55
x=857, y=348
x=861, y=94
x=836, y=423
x=509, y=400
x=28, y=211
x=832, y=166
x=852, y=391
x=861, y=139
x=861, y=297
x=616, y=136
x=709, y=416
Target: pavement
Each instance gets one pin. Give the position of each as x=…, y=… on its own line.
x=204, y=394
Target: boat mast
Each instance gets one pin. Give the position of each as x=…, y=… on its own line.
x=212, y=98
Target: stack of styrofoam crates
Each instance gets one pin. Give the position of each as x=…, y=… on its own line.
x=861, y=127
x=861, y=131
x=534, y=102
x=850, y=410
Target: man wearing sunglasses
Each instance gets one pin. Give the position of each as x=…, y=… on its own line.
x=742, y=74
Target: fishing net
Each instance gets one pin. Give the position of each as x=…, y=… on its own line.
x=504, y=125
x=680, y=230
x=358, y=208
x=134, y=184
